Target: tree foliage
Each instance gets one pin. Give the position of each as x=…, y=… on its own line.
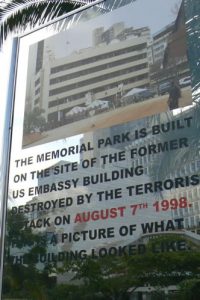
x=24, y=279
x=110, y=277
x=34, y=120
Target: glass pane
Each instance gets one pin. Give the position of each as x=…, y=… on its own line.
x=104, y=174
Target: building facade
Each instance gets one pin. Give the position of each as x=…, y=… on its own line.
x=116, y=63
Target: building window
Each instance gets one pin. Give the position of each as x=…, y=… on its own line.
x=96, y=58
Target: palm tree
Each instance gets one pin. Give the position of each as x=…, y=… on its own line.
x=18, y=15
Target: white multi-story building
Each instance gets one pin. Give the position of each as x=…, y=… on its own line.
x=118, y=62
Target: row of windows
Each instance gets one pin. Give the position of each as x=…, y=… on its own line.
x=185, y=212
x=191, y=222
x=98, y=68
x=37, y=82
x=97, y=58
x=191, y=194
x=189, y=168
x=37, y=91
x=161, y=47
x=97, y=79
x=97, y=90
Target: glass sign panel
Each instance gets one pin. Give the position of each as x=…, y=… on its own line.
x=104, y=174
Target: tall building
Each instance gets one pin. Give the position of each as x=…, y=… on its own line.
x=175, y=58
x=160, y=40
x=117, y=61
x=170, y=51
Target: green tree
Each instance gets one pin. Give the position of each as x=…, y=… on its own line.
x=190, y=289
x=24, y=279
x=109, y=277
x=102, y=278
x=112, y=277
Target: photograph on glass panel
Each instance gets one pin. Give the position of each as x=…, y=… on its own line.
x=122, y=66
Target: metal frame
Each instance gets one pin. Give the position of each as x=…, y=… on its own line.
x=6, y=149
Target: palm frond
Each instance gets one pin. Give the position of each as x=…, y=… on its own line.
x=19, y=15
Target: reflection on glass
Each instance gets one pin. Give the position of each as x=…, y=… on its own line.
x=125, y=68
x=104, y=188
